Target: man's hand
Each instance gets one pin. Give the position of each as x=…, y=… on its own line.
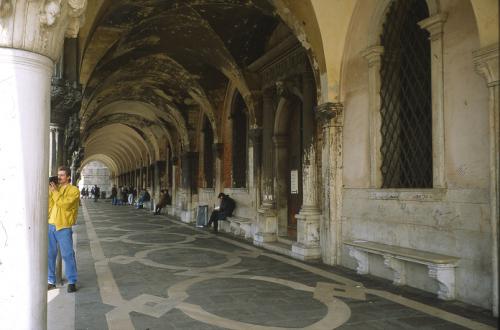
x=52, y=186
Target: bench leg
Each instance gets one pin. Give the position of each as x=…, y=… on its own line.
x=362, y=259
x=399, y=269
x=445, y=275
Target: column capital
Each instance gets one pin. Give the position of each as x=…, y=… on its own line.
x=486, y=63
x=373, y=54
x=44, y=24
x=330, y=112
x=255, y=134
x=434, y=25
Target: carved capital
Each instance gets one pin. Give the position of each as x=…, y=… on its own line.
x=65, y=99
x=255, y=135
x=434, y=25
x=43, y=24
x=373, y=54
x=486, y=63
x=330, y=113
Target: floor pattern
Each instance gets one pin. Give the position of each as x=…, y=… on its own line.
x=139, y=271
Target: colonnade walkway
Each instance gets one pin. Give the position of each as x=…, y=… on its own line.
x=140, y=271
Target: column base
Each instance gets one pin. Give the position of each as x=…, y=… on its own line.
x=307, y=246
x=304, y=252
x=267, y=225
x=260, y=238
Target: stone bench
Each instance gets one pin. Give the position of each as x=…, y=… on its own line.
x=237, y=226
x=440, y=267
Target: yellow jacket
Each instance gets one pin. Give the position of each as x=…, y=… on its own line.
x=66, y=202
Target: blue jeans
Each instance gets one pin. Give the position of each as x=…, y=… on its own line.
x=63, y=238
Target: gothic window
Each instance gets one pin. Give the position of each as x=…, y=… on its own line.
x=240, y=125
x=208, y=155
x=406, y=108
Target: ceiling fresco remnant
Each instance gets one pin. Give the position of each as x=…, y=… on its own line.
x=153, y=62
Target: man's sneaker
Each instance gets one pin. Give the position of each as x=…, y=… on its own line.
x=51, y=286
x=71, y=288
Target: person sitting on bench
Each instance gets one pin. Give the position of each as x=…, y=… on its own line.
x=225, y=209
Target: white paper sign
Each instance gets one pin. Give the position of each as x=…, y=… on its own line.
x=294, y=182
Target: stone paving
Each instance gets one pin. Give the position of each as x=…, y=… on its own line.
x=139, y=271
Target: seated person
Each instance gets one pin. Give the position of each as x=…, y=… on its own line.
x=225, y=209
x=143, y=197
x=164, y=200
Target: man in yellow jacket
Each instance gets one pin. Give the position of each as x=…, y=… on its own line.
x=63, y=209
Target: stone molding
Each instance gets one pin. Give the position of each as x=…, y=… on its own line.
x=434, y=25
x=44, y=24
x=399, y=269
x=486, y=63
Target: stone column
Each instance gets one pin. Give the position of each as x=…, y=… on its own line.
x=255, y=136
x=280, y=184
x=330, y=115
x=434, y=25
x=174, y=192
x=267, y=220
x=218, y=150
x=486, y=60
x=373, y=55
x=56, y=140
x=25, y=73
x=24, y=99
x=308, y=245
x=189, y=184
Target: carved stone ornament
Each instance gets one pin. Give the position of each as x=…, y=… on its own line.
x=329, y=111
x=255, y=135
x=65, y=98
x=40, y=26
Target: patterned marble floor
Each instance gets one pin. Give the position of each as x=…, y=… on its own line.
x=139, y=271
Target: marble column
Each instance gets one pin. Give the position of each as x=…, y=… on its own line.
x=330, y=116
x=24, y=146
x=267, y=220
x=189, y=172
x=56, y=140
x=308, y=245
x=486, y=61
x=280, y=184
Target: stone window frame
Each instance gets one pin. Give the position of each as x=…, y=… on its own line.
x=434, y=24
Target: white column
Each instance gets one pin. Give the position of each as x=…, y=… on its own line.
x=486, y=61
x=55, y=146
x=434, y=25
x=374, y=55
x=24, y=107
x=331, y=116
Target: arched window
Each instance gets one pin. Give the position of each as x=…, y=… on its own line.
x=239, y=137
x=208, y=155
x=405, y=95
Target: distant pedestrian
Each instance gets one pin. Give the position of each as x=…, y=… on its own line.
x=225, y=209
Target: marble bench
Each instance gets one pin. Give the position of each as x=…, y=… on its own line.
x=237, y=226
x=440, y=267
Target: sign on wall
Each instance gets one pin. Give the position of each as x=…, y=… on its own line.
x=294, y=182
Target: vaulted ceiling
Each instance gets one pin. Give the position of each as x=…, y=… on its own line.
x=148, y=63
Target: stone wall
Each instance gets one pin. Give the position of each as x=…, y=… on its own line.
x=454, y=220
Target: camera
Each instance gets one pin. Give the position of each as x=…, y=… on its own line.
x=53, y=179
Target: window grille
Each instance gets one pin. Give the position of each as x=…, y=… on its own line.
x=240, y=126
x=406, y=108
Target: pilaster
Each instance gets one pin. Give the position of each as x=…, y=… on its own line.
x=486, y=62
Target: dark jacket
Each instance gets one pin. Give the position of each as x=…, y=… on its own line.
x=227, y=206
